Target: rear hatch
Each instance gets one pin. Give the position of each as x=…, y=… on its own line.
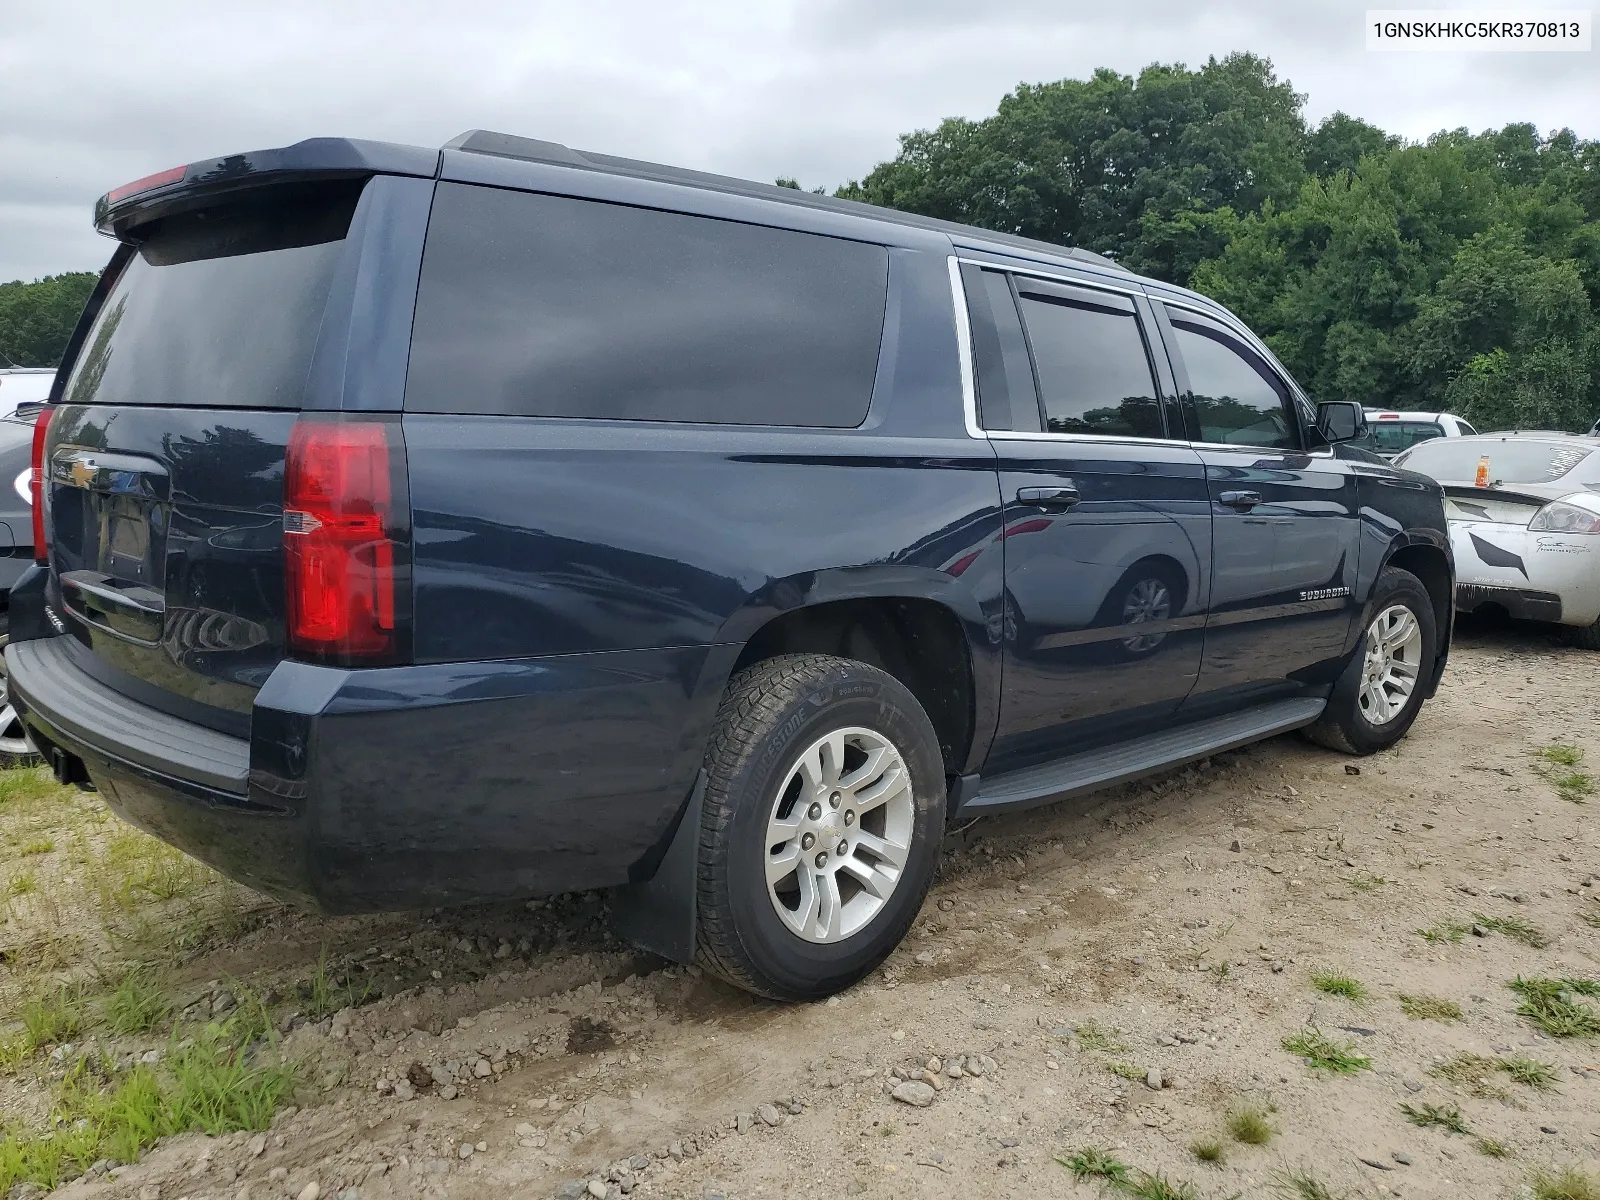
x=166, y=455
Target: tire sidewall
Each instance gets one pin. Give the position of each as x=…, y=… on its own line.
x=868, y=699
x=1394, y=587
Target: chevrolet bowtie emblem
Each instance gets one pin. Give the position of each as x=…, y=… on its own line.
x=82, y=472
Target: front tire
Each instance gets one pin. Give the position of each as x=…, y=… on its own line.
x=1585, y=637
x=820, y=830
x=1380, y=693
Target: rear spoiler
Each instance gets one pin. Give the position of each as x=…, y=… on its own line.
x=1468, y=491
x=199, y=183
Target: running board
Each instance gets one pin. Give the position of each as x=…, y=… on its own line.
x=1154, y=752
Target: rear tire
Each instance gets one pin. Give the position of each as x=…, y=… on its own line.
x=1585, y=637
x=820, y=830
x=1380, y=693
x=16, y=747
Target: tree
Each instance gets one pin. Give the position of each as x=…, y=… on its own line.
x=1136, y=168
x=1341, y=142
x=36, y=319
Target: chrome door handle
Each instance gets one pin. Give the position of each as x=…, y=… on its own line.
x=1048, y=497
x=1243, y=501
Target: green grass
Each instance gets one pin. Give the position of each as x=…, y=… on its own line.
x=1450, y=932
x=1530, y=1072
x=1476, y=1073
x=137, y=1004
x=1125, y=1069
x=1300, y=1184
x=1322, y=1053
x=53, y=1015
x=212, y=1085
x=42, y=846
x=1557, y=766
x=1515, y=928
x=1552, y=1005
x=1490, y=1148
x=1092, y=1035
x=322, y=995
x=1250, y=1126
x=1335, y=984
x=1366, y=882
x=1432, y=1116
x=1093, y=1163
x=1208, y=1150
x=1421, y=1007
x=1569, y=1184
x=23, y=883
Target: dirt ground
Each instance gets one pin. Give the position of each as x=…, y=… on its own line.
x=1172, y=926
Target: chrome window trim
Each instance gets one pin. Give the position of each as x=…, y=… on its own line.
x=969, y=382
x=1053, y=277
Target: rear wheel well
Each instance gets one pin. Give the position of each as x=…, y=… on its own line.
x=919, y=642
x=1429, y=564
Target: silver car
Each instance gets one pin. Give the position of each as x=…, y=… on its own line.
x=1524, y=514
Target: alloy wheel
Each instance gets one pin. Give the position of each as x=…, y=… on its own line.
x=1392, y=664
x=839, y=834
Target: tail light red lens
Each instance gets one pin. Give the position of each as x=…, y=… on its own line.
x=346, y=548
x=36, y=490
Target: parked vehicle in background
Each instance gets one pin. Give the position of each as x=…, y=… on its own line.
x=1594, y=430
x=16, y=553
x=1390, y=433
x=24, y=385
x=1524, y=512
x=427, y=527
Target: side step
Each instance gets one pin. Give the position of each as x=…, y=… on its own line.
x=1154, y=752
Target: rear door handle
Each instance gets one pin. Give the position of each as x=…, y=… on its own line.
x=1048, y=497
x=1243, y=501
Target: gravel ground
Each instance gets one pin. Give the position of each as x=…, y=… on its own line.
x=1120, y=974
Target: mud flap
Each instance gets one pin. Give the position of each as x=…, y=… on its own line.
x=658, y=914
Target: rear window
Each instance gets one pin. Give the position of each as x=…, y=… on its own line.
x=219, y=308
x=547, y=306
x=1518, y=460
x=1395, y=436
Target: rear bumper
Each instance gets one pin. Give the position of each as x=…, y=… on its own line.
x=406, y=787
x=1524, y=604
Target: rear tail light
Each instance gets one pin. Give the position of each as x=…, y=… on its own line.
x=146, y=184
x=346, y=541
x=36, y=492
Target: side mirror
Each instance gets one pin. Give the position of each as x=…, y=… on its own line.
x=1341, y=420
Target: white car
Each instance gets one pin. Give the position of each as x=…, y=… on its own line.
x=20, y=385
x=1390, y=432
x=1524, y=514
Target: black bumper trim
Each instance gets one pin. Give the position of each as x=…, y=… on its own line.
x=47, y=681
x=1524, y=604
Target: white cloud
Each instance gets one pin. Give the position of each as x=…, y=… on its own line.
x=94, y=94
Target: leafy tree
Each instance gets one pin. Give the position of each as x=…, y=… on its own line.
x=1341, y=141
x=36, y=319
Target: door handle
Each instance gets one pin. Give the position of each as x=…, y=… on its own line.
x=1048, y=497
x=1243, y=501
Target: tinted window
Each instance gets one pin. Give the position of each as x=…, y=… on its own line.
x=219, y=307
x=1006, y=394
x=1094, y=374
x=549, y=306
x=1511, y=460
x=1391, y=437
x=1237, y=399
x=1471, y=432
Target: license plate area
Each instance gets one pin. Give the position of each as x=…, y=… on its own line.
x=110, y=514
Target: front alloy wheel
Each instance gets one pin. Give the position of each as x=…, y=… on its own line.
x=839, y=834
x=1392, y=664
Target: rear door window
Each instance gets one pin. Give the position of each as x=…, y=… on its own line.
x=1090, y=356
x=548, y=306
x=1238, y=400
x=220, y=308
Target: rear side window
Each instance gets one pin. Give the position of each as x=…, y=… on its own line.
x=1238, y=401
x=548, y=306
x=1094, y=373
x=219, y=308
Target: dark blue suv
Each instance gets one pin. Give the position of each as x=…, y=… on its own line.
x=425, y=527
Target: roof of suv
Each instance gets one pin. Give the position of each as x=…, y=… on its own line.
x=505, y=145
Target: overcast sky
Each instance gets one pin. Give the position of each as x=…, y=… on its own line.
x=95, y=94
